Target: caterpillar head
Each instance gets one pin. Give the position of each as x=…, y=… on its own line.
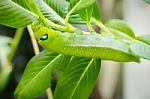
x=43, y=34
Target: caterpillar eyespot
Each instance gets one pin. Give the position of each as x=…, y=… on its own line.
x=84, y=45
x=44, y=37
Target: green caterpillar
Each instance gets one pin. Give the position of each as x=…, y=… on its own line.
x=83, y=45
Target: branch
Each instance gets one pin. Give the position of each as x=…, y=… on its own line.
x=34, y=42
x=49, y=93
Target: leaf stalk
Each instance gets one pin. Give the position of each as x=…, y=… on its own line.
x=15, y=43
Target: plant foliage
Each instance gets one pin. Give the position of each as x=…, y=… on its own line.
x=77, y=75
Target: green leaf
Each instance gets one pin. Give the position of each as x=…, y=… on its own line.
x=22, y=3
x=60, y=6
x=96, y=12
x=120, y=26
x=30, y=5
x=76, y=19
x=78, y=5
x=78, y=79
x=144, y=38
x=14, y=15
x=147, y=1
x=63, y=62
x=141, y=49
x=37, y=75
x=33, y=7
x=49, y=12
x=86, y=14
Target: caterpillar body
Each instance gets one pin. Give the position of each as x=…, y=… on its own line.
x=84, y=45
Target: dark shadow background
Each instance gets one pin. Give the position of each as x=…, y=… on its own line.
x=23, y=54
